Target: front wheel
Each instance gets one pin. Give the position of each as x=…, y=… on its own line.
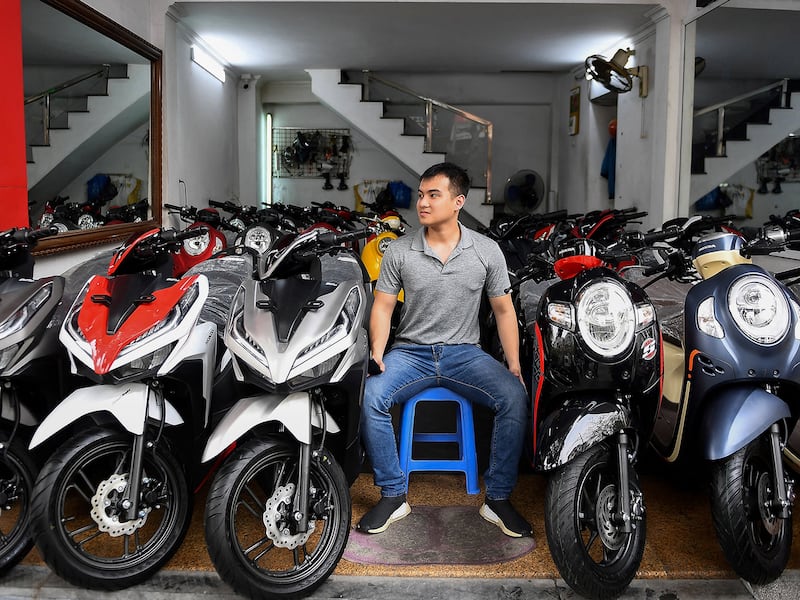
x=754, y=539
x=79, y=519
x=251, y=532
x=17, y=475
x=593, y=553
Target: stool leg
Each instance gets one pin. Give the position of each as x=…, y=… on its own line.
x=406, y=446
x=470, y=453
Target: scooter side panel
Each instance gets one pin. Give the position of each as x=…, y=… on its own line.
x=292, y=411
x=736, y=416
x=576, y=427
x=127, y=403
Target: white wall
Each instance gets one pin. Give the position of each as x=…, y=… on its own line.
x=368, y=162
x=201, y=133
x=129, y=156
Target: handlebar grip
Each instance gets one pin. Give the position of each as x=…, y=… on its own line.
x=660, y=236
x=38, y=234
x=170, y=235
x=630, y=216
x=334, y=239
x=553, y=216
x=217, y=203
x=627, y=211
x=172, y=207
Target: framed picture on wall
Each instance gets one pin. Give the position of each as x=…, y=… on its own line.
x=574, y=110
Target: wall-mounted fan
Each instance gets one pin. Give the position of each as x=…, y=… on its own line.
x=614, y=76
x=524, y=192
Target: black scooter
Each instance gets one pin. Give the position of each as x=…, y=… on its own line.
x=596, y=354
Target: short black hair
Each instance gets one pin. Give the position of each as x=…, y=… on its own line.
x=459, y=180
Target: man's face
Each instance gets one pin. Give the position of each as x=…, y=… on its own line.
x=436, y=203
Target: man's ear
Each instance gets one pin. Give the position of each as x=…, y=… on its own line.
x=460, y=199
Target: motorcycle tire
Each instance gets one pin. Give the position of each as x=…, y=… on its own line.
x=250, y=531
x=593, y=555
x=756, y=543
x=17, y=477
x=76, y=506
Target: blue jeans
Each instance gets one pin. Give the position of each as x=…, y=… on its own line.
x=468, y=371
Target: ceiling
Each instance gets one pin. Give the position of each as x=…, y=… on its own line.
x=278, y=40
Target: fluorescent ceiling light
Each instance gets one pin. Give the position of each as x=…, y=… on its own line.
x=208, y=62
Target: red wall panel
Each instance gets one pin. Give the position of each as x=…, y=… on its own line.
x=13, y=170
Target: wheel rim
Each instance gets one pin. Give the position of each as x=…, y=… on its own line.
x=604, y=541
x=15, y=493
x=83, y=489
x=262, y=501
x=765, y=527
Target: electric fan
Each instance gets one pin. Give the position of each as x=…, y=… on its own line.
x=524, y=192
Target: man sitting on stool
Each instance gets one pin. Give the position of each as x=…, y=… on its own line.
x=443, y=269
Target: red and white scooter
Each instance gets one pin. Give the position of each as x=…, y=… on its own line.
x=113, y=503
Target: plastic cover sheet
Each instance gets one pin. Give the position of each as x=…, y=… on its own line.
x=225, y=274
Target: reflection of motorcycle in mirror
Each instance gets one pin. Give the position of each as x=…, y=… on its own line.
x=69, y=216
x=596, y=355
x=127, y=213
x=278, y=510
x=730, y=393
x=113, y=503
x=33, y=378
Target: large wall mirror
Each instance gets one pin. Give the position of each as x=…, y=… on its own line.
x=744, y=51
x=93, y=125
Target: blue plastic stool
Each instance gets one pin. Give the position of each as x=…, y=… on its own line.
x=464, y=436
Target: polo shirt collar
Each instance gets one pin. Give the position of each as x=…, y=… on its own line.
x=419, y=243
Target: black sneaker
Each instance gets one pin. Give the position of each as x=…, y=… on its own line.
x=388, y=510
x=505, y=516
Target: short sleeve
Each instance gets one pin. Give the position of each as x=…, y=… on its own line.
x=389, y=279
x=497, y=281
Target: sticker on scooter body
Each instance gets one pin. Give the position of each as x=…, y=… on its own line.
x=649, y=348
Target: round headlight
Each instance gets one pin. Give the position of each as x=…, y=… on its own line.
x=759, y=309
x=258, y=238
x=606, y=317
x=196, y=245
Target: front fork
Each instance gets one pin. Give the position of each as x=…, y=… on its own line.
x=629, y=509
x=784, y=494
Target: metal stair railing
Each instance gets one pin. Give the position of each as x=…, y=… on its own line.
x=47, y=95
x=467, y=138
x=781, y=87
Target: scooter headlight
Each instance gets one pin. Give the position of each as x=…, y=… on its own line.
x=25, y=313
x=606, y=317
x=197, y=245
x=759, y=308
x=258, y=238
x=339, y=331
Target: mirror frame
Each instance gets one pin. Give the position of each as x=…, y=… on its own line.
x=74, y=240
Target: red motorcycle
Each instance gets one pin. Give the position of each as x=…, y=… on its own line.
x=196, y=249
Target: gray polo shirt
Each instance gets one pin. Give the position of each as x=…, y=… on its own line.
x=442, y=300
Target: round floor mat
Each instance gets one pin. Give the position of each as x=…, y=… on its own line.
x=442, y=535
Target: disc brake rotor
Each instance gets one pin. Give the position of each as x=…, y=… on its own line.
x=612, y=535
x=769, y=520
x=278, y=518
x=106, y=507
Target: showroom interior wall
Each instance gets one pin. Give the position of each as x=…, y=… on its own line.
x=200, y=124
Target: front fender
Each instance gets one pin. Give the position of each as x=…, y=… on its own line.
x=129, y=404
x=576, y=427
x=292, y=411
x=736, y=416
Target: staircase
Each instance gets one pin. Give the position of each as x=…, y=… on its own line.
x=392, y=133
x=764, y=119
x=89, y=128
